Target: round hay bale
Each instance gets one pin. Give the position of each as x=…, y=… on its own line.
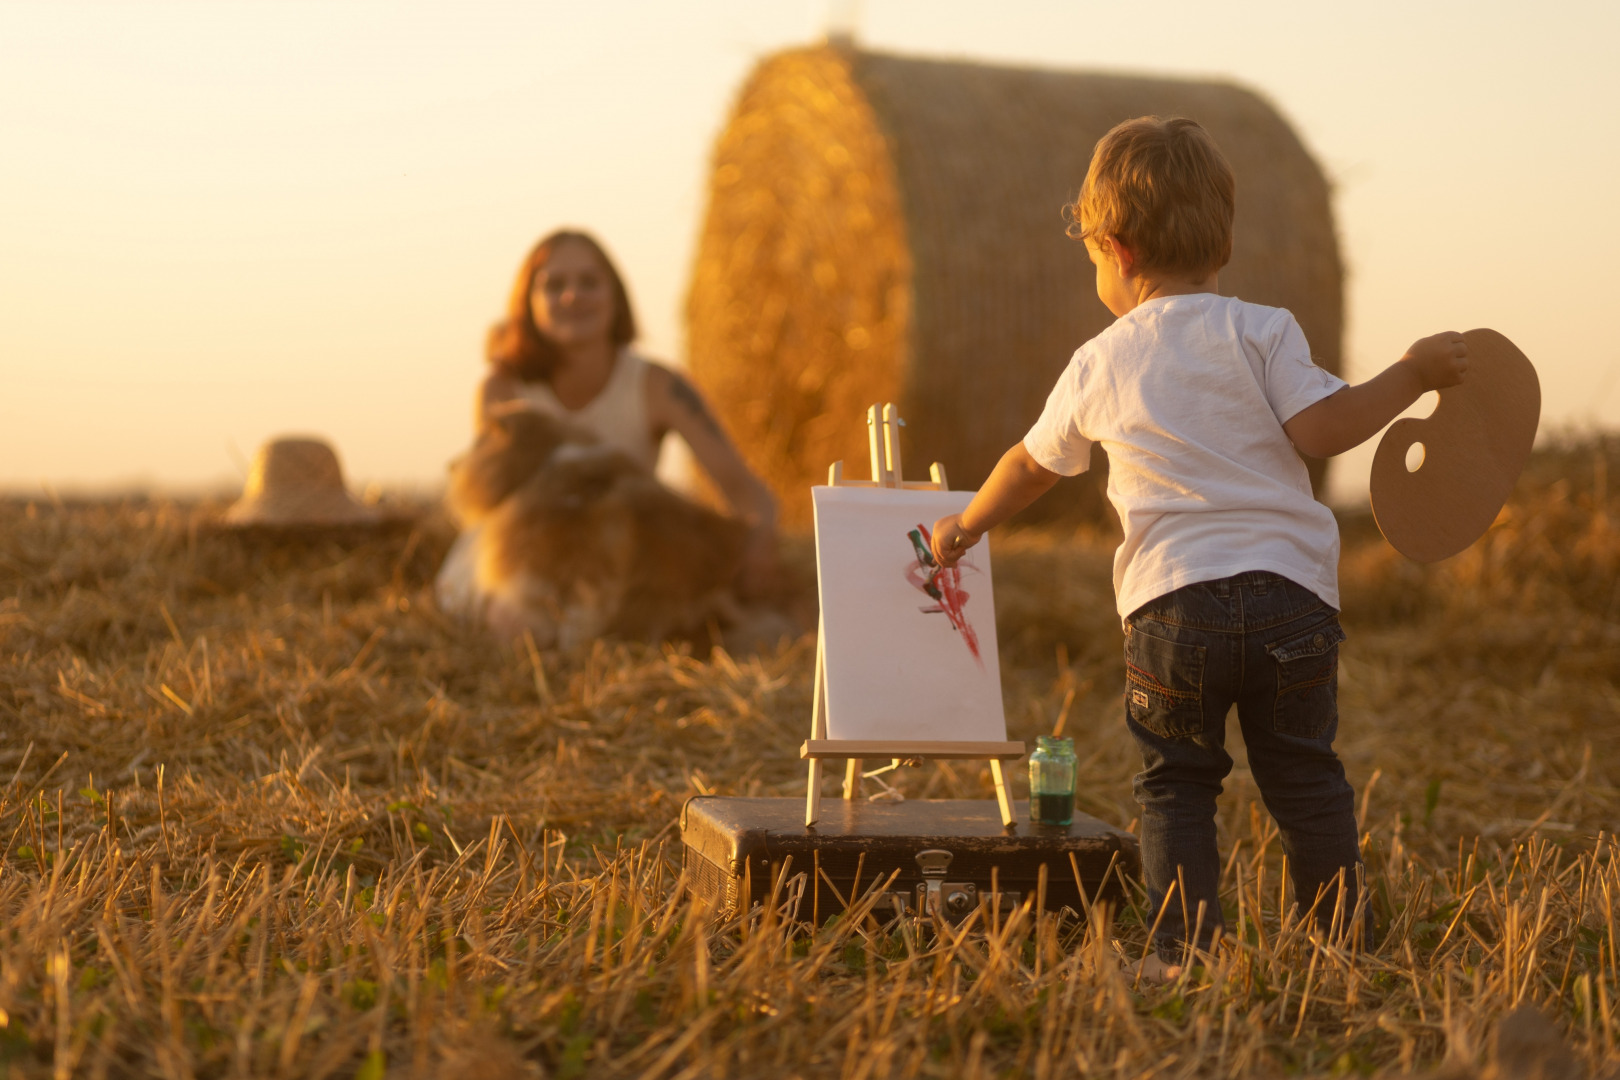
x=882, y=228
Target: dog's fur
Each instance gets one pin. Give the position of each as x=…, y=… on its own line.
x=514, y=443
x=577, y=540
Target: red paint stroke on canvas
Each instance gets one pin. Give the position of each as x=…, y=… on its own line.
x=943, y=585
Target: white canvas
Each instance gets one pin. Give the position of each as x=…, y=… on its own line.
x=897, y=666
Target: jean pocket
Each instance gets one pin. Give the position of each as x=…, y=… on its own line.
x=1307, y=681
x=1164, y=685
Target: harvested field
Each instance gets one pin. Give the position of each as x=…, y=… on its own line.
x=264, y=811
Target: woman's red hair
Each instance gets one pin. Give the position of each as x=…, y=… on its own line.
x=516, y=347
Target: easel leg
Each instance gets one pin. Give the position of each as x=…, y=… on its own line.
x=852, y=778
x=812, y=796
x=818, y=729
x=1001, y=793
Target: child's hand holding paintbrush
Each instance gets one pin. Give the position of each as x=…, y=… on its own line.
x=1016, y=481
x=950, y=540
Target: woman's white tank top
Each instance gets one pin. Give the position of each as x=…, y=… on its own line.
x=617, y=415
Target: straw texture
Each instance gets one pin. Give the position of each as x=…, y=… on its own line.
x=266, y=811
x=882, y=227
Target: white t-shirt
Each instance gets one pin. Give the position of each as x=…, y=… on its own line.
x=1188, y=395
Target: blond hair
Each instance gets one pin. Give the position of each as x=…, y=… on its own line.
x=1163, y=189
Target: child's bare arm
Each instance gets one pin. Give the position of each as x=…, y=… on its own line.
x=1015, y=482
x=1357, y=413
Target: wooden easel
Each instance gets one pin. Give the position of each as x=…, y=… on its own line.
x=883, y=440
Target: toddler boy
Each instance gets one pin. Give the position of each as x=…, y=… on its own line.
x=1227, y=578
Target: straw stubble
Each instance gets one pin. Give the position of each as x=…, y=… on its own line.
x=381, y=843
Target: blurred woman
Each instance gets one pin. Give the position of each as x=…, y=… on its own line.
x=564, y=349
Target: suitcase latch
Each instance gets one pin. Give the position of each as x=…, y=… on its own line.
x=951, y=900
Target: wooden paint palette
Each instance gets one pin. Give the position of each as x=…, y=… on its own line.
x=1473, y=448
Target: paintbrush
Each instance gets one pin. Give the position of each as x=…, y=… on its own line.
x=1063, y=713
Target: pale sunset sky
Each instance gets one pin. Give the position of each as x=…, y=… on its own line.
x=224, y=221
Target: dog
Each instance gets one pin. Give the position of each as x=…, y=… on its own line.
x=577, y=541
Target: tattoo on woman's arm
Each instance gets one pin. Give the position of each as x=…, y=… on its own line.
x=693, y=402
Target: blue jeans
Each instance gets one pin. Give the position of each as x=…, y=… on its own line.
x=1271, y=647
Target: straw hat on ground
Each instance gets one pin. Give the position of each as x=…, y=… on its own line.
x=297, y=481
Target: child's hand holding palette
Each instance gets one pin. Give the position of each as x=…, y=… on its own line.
x=1439, y=482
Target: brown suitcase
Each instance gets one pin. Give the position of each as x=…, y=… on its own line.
x=943, y=854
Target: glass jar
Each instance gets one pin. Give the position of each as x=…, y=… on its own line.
x=1051, y=781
